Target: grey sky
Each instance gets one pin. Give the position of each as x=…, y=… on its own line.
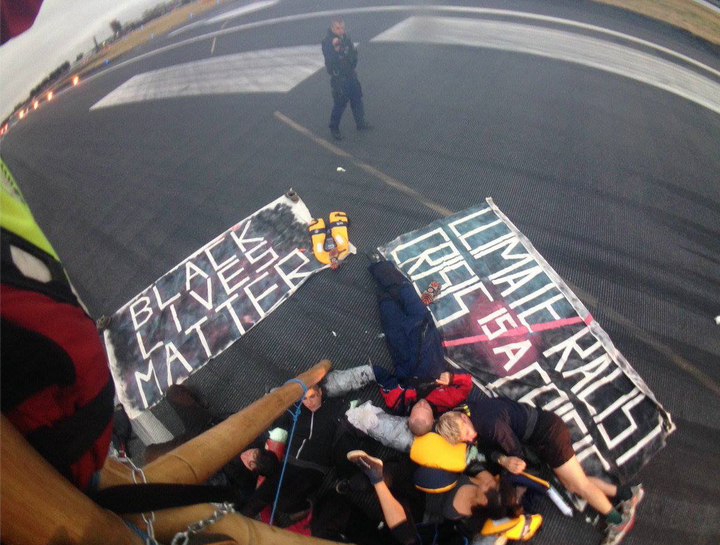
x=62, y=29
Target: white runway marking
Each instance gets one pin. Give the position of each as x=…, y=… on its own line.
x=233, y=14
x=398, y=9
x=265, y=71
x=560, y=45
x=243, y=10
x=708, y=5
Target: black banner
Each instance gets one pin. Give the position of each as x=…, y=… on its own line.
x=204, y=304
x=509, y=319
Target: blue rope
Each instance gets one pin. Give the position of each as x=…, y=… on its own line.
x=295, y=416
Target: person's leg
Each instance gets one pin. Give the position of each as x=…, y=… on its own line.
x=625, y=497
x=339, y=383
x=610, y=490
x=298, y=485
x=398, y=476
x=551, y=439
x=347, y=438
x=396, y=328
x=431, y=362
x=394, y=322
x=302, y=486
x=387, y=276
x=356, y=103
x=264, y=495
x=331, y=517
x=411, y=302
x=384, y=378
x=339, y=104
x=391, y=313
x=572, y=476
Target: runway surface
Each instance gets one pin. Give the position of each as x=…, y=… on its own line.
x=595, y=130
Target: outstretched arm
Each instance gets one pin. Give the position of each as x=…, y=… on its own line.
x=396, y=518
x=392, y=509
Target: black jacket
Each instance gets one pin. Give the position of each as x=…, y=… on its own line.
x=339, y=64
x=315, y=432
x=502, y=424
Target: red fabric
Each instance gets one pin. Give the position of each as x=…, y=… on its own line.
x=16, y=16
x=393, y=397
x=443, y=398
x=301, y=527
x=71, y=329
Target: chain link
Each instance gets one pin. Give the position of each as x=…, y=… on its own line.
x=183, y=538
x=137, y=472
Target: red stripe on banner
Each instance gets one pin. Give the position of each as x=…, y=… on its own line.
x=520, y=330
x=556, y=324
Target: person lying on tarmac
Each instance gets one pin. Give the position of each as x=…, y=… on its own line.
x=497, y=424
x=309, y=456
x=243, y=471
x=454, y=517
x=412, y=336
x=443, y=393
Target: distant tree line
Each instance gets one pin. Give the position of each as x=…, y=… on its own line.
x=119, y=29
x=51, y=78
x=162, y=9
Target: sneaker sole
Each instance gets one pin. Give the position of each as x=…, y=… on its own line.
x=356, y=456
x=634, y=505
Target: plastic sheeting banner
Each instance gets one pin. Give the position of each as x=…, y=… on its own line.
x=510, y=320
x=207, y=302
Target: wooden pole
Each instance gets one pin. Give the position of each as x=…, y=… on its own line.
x=243, y=530
x=39, y=506
x=197, y=460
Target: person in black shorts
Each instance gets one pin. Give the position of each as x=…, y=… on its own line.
x=501, y=426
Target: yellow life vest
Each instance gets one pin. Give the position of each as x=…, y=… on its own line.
x=439, y=463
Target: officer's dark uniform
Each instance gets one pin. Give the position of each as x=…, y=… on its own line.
x=343, y=80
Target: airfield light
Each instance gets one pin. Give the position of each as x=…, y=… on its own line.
x=50, y=95
x=76, y=80
x=35, y=105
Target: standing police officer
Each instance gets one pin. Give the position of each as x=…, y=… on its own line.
x=340, y=61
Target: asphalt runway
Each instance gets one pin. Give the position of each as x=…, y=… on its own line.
x=611, y=176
